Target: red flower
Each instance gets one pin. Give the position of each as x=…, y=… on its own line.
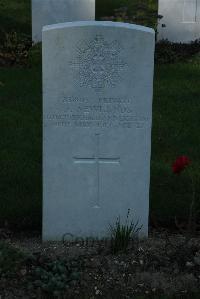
x=180, y=164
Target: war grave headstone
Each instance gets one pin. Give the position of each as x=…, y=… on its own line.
x=181, y=20
x=47, y=12
x=97, y=115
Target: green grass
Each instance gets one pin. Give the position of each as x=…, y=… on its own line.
x=176, y=125
x=20, y=143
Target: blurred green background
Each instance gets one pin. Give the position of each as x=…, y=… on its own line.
x=176, y=121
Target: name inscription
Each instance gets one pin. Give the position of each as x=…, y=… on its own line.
x=104, y=113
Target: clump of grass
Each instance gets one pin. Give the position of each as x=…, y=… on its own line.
x=123, y=234
x=53, y=278
x=10, y=258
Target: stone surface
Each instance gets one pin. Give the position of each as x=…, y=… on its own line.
x=48, y=12
x=97, y=85
x=181, y=20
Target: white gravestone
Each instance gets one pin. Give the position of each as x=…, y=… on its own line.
x=48, y=12
x=97, y=85
x=181, y=20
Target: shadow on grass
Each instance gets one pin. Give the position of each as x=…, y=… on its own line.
x=21, y=146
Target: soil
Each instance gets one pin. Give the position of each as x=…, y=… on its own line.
x=164, y=263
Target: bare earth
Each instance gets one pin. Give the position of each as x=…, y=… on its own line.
x=162, y=264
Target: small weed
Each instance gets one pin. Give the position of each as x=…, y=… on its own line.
x=10, y=258
x=122, y=234
x=54, y=277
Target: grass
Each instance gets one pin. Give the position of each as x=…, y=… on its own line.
x=123, y=233
x=176, y=125
x=20, y=143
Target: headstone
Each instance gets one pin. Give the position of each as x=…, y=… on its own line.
x=97, y=84
x=181, y=20
x=47, y=12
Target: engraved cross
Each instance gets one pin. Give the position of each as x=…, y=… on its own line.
x=97, y=160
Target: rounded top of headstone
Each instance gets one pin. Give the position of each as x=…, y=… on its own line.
x=99, y=24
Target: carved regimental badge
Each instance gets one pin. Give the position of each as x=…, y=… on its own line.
x=98, y=63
